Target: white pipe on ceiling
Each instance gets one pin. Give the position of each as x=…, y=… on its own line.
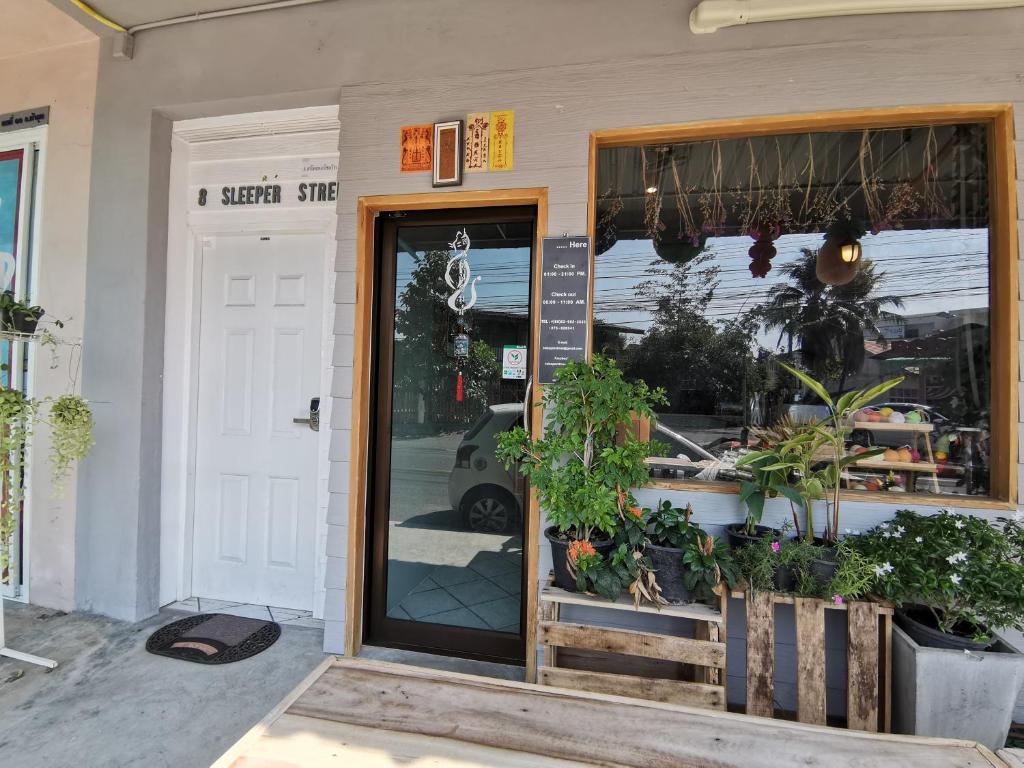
x=712, y=15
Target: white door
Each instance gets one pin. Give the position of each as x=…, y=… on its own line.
x=254, y=537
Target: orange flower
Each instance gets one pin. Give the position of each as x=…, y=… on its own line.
x=577, y=548
x=636, y=512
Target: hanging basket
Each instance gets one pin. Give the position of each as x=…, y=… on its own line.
x=680, y=251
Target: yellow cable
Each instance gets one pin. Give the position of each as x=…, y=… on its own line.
x=98, y=16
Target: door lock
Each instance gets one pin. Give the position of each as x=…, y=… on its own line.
x=314, y=415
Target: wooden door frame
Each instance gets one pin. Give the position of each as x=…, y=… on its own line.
x=368, y=208
x=1004, y=255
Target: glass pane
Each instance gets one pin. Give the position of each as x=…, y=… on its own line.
x=455, y=535
x=719, y=259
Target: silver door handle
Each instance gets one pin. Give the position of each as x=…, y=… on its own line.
x=527, y=405
x=313, y=420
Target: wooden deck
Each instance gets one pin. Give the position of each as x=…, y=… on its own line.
x=355, y=712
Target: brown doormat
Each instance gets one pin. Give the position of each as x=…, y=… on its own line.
x=213, y=638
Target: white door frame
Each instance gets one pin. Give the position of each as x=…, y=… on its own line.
x=186, y=232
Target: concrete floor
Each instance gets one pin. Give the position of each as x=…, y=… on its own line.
x=111, y=704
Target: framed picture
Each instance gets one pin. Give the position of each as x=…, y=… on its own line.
x=448, y=154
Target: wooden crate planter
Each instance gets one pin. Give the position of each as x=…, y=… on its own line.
x=705, y=652
x=869, y=659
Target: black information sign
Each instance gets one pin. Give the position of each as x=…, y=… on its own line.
x=564, y=308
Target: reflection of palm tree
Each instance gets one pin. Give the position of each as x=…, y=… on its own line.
x=829, y=321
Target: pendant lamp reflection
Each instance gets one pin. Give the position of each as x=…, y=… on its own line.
x=839, y=256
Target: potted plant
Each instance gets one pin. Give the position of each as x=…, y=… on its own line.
x=812, y=459
x=625, y=566
x=582, y=468
x=71, y=436
x=687, y=562
x=955, y=579
x=789, y=566
x=17, y=414
x=16, y=316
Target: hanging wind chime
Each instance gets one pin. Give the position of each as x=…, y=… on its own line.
x=459, y=264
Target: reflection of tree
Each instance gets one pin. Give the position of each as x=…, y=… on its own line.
x=425, y=329
x=829, y=322
x=702, y=365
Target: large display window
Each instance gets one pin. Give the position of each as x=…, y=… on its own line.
x=858, y=255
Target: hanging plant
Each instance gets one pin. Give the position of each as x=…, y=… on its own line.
x=71, y=422
x=763, y=250
x=17, y=413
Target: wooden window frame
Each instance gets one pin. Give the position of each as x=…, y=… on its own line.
x=1003, y=258
x=368, y=208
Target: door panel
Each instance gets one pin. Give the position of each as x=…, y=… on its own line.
x=259, y=366
x=447, y=534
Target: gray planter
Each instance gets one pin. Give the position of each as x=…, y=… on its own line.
x=958, y=695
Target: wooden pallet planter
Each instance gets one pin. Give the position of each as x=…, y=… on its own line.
x=869, y=659
x=704, y=652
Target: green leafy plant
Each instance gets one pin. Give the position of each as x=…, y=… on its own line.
x=759, y=561
x=625, y=569
x=583, y=468
x=708, y=564
x=965, y=570
x=17, y=414
x=71, y=424
x=11, y=309
x=673, y=527
x=814, y=457
x=707, y=561
x=854, y=577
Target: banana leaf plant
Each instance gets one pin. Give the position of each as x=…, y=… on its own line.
x=809, y=465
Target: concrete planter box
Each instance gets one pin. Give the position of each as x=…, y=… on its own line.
x=939, y=692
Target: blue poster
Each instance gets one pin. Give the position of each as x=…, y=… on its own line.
x=10, y=191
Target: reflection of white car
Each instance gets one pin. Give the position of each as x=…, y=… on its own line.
x=488, y=496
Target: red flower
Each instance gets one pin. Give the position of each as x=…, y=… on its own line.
x=578, y=548
x=636, y=512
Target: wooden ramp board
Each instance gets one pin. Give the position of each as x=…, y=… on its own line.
x=588, y=728
x=293, y=741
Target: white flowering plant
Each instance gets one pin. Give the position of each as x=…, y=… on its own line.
x=965, y=570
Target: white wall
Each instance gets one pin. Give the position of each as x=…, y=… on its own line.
x=760, y=70
x=65, y=79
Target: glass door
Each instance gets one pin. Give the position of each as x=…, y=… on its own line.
x=452, y=362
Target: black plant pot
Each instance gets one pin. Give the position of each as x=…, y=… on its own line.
x=23, y=322
x=560, y=556
x=668, y=572
x=738, y=536
x=918, y=622
x=824, y=567
x=784, y=579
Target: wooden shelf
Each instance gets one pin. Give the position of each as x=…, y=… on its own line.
x=885, y=426
x=695, y=611
x=898, y=466
x=583, y=655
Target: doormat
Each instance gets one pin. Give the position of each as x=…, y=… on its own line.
x=213, y=638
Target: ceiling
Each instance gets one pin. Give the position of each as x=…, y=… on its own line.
x=33, y=25
x=129, y=13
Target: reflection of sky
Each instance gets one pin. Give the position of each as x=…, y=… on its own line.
x=8, y=203
x=932, y=270
x=505, y=277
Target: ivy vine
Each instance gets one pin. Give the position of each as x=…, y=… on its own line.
x=71, y=424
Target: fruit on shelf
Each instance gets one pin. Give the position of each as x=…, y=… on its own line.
x=886, y=412
x=904, y=455
x=897, y=418
x=891, y=454
x=941, y=455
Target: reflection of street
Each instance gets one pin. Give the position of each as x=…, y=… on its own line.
x=437, y=570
